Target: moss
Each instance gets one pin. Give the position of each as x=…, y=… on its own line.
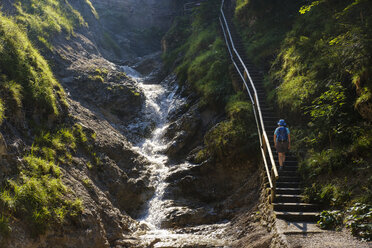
x=97, y=78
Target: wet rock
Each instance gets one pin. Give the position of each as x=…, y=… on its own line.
x=183, y=216
x=150, y=64
x=184, y=133
x=114, y=94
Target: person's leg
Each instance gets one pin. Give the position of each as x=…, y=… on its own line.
x=283, y=158
x=280, y=158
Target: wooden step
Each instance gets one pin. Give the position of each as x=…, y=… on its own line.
x=288, y=179
x=298, y=216
x=287, y=184
x=288, y=198
x=295, y=207
x=288, y=173
x=293, y=191
x=290, y=168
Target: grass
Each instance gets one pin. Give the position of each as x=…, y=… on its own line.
x=203, y=64
x=38, y=194
x=43, y=19
x=26, y=77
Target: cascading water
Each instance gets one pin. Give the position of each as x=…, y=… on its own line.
x=161, y=99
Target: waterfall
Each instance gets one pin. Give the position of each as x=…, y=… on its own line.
x=161, y=99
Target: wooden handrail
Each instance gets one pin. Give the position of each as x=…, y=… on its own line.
x=264, y=141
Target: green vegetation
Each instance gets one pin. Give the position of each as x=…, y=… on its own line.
x=203, y=65
x=29, y=93
x=197, y=47
x=318, y=53
x=38, y=193
x=330, y=219
x=358, y=218
x=43, y=19
x=236, y=138
x=25, y=77
x=94, y=11
x=263, y=25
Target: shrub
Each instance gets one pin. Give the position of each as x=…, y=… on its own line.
x=330, y=219
x=234, y=139
x=359, y=219
x=329, y=195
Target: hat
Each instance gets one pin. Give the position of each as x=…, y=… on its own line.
x=282, y=123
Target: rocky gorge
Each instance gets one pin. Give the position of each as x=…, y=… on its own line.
x=139, y=179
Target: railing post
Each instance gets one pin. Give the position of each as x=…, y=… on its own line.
x=273, y=189
x=264, y=144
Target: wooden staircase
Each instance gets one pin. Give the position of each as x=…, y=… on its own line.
x=287, y=204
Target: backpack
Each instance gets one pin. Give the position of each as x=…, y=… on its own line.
x=282, y=134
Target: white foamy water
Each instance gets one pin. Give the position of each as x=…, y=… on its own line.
x=161, y=99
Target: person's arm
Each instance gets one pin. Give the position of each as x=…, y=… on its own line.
x=274, y=139
x=289, y=141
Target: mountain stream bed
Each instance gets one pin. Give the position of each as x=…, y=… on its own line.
x=147, y=135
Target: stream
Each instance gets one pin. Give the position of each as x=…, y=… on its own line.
x=149, y=141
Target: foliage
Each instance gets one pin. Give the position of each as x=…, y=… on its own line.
x=44, y=18
x=359, y=220
x=263, y=25
x=318, y=53
x=38, y=193
x=202, y=66
x=333, y=194
x=195, y=48
x=236, y=138
x=25, y=76
x=1, y=111
x=40, y=199
x=330, y=219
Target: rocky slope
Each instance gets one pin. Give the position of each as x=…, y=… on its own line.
x=107, y=171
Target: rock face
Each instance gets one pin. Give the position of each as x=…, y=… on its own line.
x=136, y=26
x=103, y=100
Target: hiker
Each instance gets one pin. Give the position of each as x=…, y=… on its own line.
x=282, y=141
